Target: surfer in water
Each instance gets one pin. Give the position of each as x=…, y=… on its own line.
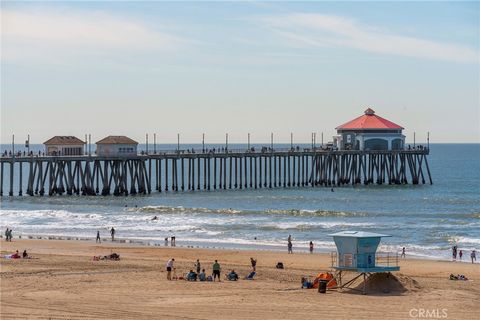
x=155, y=218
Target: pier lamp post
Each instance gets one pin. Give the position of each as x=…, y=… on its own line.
x=203, y=142
x=271, y=141
x=226, y=142
x=154, y=143
x=248, y=145
x=311, y=139
x=291, y=140
x=322, y=138
x=428, y=140
x=146, y=142
x=89, y=145
x=86, y=144
x=13, y=145
x=314, y=140
x=27, y=144
x=414, y=139
x=178, y=142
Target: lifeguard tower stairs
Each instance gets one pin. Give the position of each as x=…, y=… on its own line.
x=357, y=253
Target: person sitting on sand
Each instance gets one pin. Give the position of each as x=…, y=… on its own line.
x=232, y=276
x=15, y=255
x=25, y=254
x=202, y=276
x=191, y=276
x=216, y=271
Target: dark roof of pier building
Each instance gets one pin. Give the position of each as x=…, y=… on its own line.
x=64, y=140
x=117, y=140
x=369, y=121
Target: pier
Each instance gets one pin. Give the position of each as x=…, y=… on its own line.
x=176, y=171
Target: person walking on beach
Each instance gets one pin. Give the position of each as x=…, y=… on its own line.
x=473, y=256
x=199, y=267
x=6, y=235
x=169, y=268
x=98, y=237
x=460, y=254
x=10, y=236
x=216, y=271
x=172, y=242
x=311, y=247
x=290, y=246
x=254, y=264
x=112, y=233
x=403, y=253
x=454, y=253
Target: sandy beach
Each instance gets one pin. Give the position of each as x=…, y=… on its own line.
x=63, y=282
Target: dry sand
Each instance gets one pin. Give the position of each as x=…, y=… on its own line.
x=64, y=283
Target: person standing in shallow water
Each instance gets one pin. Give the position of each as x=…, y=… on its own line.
x=98, y=237
x=112, y=233
x=290, y=245
x=311, y=247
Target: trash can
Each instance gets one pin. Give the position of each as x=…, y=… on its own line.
x=322, y=286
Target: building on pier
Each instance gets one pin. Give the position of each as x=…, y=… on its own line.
x=116, y=146
x=369, y=132
x=64, y=146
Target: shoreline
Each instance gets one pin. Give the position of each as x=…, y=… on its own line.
x=214, y=246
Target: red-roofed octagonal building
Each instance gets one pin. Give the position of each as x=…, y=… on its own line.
x=369, y=132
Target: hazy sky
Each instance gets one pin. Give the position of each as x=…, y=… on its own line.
x=70, y=68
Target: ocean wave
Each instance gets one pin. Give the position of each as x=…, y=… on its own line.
x=290, y=212
x=312, y=226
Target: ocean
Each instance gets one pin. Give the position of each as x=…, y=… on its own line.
x=426, y=219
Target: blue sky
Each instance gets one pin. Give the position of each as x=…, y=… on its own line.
x=70, y=68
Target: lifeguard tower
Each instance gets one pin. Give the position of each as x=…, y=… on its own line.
x=357, y=252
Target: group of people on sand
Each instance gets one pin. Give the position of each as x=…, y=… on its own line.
x=458, y=252
x=201, y=275
x=8, y=235
x=17, y=255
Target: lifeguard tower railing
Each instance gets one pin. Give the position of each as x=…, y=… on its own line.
x=366, y=262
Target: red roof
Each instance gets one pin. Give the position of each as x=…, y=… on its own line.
x=369, y=121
